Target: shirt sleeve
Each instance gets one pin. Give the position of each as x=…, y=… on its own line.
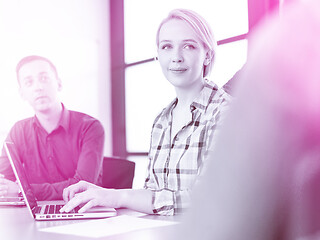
x=166, y=201
x=89, y=166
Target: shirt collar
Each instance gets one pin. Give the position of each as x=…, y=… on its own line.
x=64, y=121
x=207, y=93
x=167, y=111
x=65, y=118
x=200, y=103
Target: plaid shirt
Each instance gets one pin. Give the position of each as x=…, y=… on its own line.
x=174, y=166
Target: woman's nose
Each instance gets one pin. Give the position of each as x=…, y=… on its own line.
x=177, y=56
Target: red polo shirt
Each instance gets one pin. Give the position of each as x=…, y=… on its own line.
x=70, y=153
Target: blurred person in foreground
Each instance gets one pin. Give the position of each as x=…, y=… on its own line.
x=265, y=181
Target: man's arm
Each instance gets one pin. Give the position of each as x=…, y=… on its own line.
x=8, y=186
x=5, y=167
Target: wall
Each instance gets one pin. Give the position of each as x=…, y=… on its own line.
x=74, y=34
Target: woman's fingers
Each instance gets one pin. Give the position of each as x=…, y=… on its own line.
x=69, y=192
x=88, y=205
x=78, y=199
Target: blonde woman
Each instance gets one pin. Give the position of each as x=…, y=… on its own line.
x=181, y=133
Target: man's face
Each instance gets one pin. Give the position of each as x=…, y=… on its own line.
x=39, y=85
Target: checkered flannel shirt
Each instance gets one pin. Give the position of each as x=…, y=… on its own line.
x=174, y=166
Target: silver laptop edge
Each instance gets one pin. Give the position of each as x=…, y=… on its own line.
x=17, y=176
x=98, y=212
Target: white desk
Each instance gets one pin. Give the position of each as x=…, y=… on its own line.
x=17, y=224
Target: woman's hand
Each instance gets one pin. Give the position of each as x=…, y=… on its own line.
x=89, y=195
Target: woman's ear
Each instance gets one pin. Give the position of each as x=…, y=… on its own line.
x=208, y=59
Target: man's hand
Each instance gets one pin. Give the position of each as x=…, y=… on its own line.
x=8, y=188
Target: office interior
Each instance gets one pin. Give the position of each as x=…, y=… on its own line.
x=105, y=54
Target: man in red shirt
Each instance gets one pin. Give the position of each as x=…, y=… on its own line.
x=56, y=146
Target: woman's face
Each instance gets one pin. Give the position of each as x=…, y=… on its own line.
x=181, y=54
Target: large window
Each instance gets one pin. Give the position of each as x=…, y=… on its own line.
x=139, y=89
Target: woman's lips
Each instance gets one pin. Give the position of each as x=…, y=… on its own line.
x=178, y=70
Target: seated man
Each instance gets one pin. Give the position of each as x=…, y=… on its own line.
x=57, y=147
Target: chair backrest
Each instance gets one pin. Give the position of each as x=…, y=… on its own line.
x=118, y=173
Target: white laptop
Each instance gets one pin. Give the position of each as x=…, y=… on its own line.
x=48, y=211
x=12, y=201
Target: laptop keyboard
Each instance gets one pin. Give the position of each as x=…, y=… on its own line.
x=53, y=209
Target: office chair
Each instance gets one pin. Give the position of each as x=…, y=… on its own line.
x=118, y=173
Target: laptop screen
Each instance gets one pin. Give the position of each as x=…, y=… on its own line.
x=20, y=174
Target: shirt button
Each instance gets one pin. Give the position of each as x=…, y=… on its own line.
x=50, y=158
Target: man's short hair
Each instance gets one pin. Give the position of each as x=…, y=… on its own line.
x=32, y=58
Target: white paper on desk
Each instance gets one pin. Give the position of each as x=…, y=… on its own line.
x=107, y=226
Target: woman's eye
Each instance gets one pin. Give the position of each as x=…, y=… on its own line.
x=165, y=47
x=189, y=46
